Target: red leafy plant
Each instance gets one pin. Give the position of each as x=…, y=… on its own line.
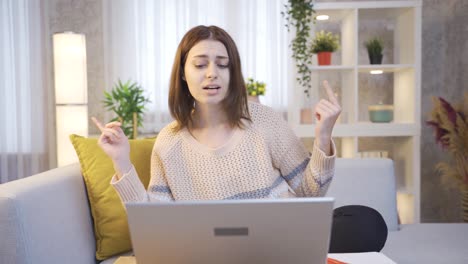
x=451, y=133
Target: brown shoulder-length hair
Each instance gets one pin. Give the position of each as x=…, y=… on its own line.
x=181, y=102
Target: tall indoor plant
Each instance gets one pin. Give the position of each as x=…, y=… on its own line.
x=324, y=44
x=299, y=14
x=450, y=124
x=127, y=101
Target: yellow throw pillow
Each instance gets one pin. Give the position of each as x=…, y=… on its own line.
x=110, y=220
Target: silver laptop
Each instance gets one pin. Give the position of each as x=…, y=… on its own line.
x=291, y=231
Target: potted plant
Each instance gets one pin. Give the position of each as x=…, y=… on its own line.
x=374, y=48
x=323, y=45
x=127, y=101
x=255, y=89
x=450, y=125
x=299, y=14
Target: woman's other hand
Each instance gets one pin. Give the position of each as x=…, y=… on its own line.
x=326, y=112
x=115, y=144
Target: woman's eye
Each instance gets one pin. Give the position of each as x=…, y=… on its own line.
x=203, y=65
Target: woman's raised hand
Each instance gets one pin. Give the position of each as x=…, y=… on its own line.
x=115, y=144
x=326, y=112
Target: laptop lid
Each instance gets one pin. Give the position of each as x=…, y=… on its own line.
x=235, y=231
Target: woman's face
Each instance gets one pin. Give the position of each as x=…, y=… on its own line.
x=207, y=71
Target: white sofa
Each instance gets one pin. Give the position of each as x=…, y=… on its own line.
x=46, y=218
x=371, y=182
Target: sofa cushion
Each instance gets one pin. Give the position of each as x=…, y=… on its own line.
x=110, y=220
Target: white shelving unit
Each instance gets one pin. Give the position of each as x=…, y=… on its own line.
x=350, y=67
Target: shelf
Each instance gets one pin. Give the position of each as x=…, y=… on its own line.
x=332, y=68
x=367, y=5
x=335, y=15
x=363, y=129
x=383, y=13
x=398, y=25
x=385, y=67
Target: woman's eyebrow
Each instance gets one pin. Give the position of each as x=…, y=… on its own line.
x=206, y=56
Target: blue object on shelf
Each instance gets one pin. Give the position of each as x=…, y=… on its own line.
x=380, y=113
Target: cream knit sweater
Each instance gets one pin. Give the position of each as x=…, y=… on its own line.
x=264, y=160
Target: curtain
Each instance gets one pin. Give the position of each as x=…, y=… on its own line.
x=141, y=37
x=24, y=109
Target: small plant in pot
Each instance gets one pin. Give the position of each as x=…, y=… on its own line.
x=255, y=89
x=323, y=45
x=374, y=48
x=127, y=101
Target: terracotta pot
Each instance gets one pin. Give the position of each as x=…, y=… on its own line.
x=324, y=58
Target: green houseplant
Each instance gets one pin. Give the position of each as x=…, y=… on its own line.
x=374, y=48
x=127, y=101
x=323, y=45
x=450, y=124
x=255, y=88
x=299, y=14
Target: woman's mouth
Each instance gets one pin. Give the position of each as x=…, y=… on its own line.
x=211, y=87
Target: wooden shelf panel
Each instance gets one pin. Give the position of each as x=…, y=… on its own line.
x=385, y=67
x=333, y=68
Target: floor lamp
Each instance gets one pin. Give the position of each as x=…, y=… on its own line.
x=71, y=92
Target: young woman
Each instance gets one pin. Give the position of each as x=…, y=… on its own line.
x=220, y=146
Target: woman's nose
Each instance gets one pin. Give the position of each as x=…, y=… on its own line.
x=212, y=72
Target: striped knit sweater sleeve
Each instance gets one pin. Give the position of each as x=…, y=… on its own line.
x=308, y=174
x=130, y=188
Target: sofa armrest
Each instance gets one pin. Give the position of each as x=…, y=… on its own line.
x=428, y=243
x=45, y=218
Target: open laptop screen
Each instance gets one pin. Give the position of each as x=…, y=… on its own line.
x=295, y=230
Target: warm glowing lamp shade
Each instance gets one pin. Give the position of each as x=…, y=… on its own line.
x=71, y=96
